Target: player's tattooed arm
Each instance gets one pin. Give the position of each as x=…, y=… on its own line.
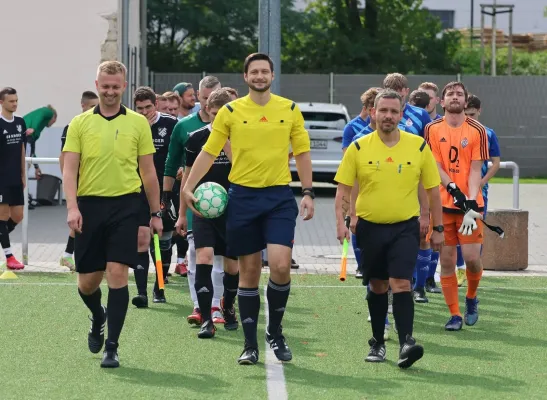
x=341, y=209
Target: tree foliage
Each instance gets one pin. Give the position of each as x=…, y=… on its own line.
x=330, y=36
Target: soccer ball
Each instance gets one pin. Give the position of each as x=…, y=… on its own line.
x=212, y=199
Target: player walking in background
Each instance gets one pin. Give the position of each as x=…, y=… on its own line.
x=161, y=104
x=13, y=134
x=261, y=209
x=175, y=162
x=460, y=146
x=162, y=126
x=173, y=103
x=187, y=96
x=88, y=101
x=209, y=235
x=433, y=91
x=104, y=148
x=389, y=164
x=356, y=125
x=419, y=98
x=36, y=121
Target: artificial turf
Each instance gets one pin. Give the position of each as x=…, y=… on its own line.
x=45, y=355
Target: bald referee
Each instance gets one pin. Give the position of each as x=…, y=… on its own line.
x=388, y=165
x=105, y=146
x=261, y=209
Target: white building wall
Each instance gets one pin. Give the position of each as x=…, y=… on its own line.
x=50, y=56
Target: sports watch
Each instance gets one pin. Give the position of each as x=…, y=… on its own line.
x=157, y=214
x=439, y=228
x=308, y=192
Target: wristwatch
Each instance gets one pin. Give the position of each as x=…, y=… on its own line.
x=157, y=214
x=439, y=228
x=308, y=192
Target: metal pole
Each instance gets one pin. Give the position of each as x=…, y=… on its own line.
x=472, y=23
x=24, y=232
x=510, y=55
x=516, y=176
x=125, y=42
x=263, y=26
x=482, y=40
x=275, y=43
x=331, y=88
x=494, y=38
x=144, y=44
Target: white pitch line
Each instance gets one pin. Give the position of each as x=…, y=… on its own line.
x=275, y=377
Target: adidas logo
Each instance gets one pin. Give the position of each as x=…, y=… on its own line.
x=389, y=159
x=263, y=119
x=248, y=320
x=443, y=140
x=140, y=267
x=203, y=290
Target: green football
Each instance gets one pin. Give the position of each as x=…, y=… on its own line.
x=212, y=199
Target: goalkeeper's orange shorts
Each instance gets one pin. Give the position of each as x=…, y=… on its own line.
x=452, y=223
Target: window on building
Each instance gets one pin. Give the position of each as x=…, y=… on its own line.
x=446, y=17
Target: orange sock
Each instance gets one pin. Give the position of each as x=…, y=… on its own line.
x=450, y=292
x=473, y=279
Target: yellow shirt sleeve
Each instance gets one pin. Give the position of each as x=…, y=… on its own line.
x=300, y=139
x=430, y=176
x=72, y=142
x=347, y=171
x=146, y=144
x=220, y=132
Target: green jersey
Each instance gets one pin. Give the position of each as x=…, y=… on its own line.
x=38, y=120
x=175, y=156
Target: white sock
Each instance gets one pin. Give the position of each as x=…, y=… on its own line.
x=67, y=255
x=217, y=277
x=461, y=267
x=192, y=271
x=180, y=260
x=7, y=251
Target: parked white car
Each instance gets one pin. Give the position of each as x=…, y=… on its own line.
x=325, y=123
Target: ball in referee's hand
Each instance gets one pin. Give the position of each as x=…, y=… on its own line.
x=212, y=199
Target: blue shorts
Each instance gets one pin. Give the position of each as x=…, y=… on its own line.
x=256, y=217
x=485, y=206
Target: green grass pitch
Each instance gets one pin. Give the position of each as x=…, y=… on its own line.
x=44, y=346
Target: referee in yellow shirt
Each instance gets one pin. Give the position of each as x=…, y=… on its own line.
x=388, y=165
x=261, y=209
x=103, y=149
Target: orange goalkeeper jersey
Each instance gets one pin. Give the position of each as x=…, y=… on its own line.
x=455, y=149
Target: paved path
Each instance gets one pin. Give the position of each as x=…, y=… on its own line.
x=316, y=247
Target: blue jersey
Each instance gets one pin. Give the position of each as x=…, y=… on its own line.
x=352, y=128
x=493, y=151
x=438, y=116
x=414, y=120
x=365, y=131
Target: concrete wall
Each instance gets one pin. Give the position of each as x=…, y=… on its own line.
x=51, y=53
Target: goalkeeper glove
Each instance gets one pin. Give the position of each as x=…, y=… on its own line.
x=457, y=194
x=469, y=224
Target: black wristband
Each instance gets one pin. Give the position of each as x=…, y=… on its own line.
x=308, y=192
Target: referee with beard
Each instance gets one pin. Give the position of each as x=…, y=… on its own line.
x=104, y=147
x=388, y=164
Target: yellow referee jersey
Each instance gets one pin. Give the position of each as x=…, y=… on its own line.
x=388, y=177
x=109, y=148
x=260, y=137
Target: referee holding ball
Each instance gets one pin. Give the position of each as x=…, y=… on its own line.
x=261, y=208
x=103, y=149
x=388, y=165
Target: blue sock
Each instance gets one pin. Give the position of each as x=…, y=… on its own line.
x=433, y=264
x=460, y=263
x=422, y=267
x=356, y=249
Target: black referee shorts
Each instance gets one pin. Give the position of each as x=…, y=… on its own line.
x=144, y=209
x=388, y=250
x=109, y=232
x=210, y=232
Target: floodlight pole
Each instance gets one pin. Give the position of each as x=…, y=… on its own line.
x=269, y=39
x=497, y=9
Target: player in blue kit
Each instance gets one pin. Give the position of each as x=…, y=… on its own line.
x=357, y=124
x=433, y=91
